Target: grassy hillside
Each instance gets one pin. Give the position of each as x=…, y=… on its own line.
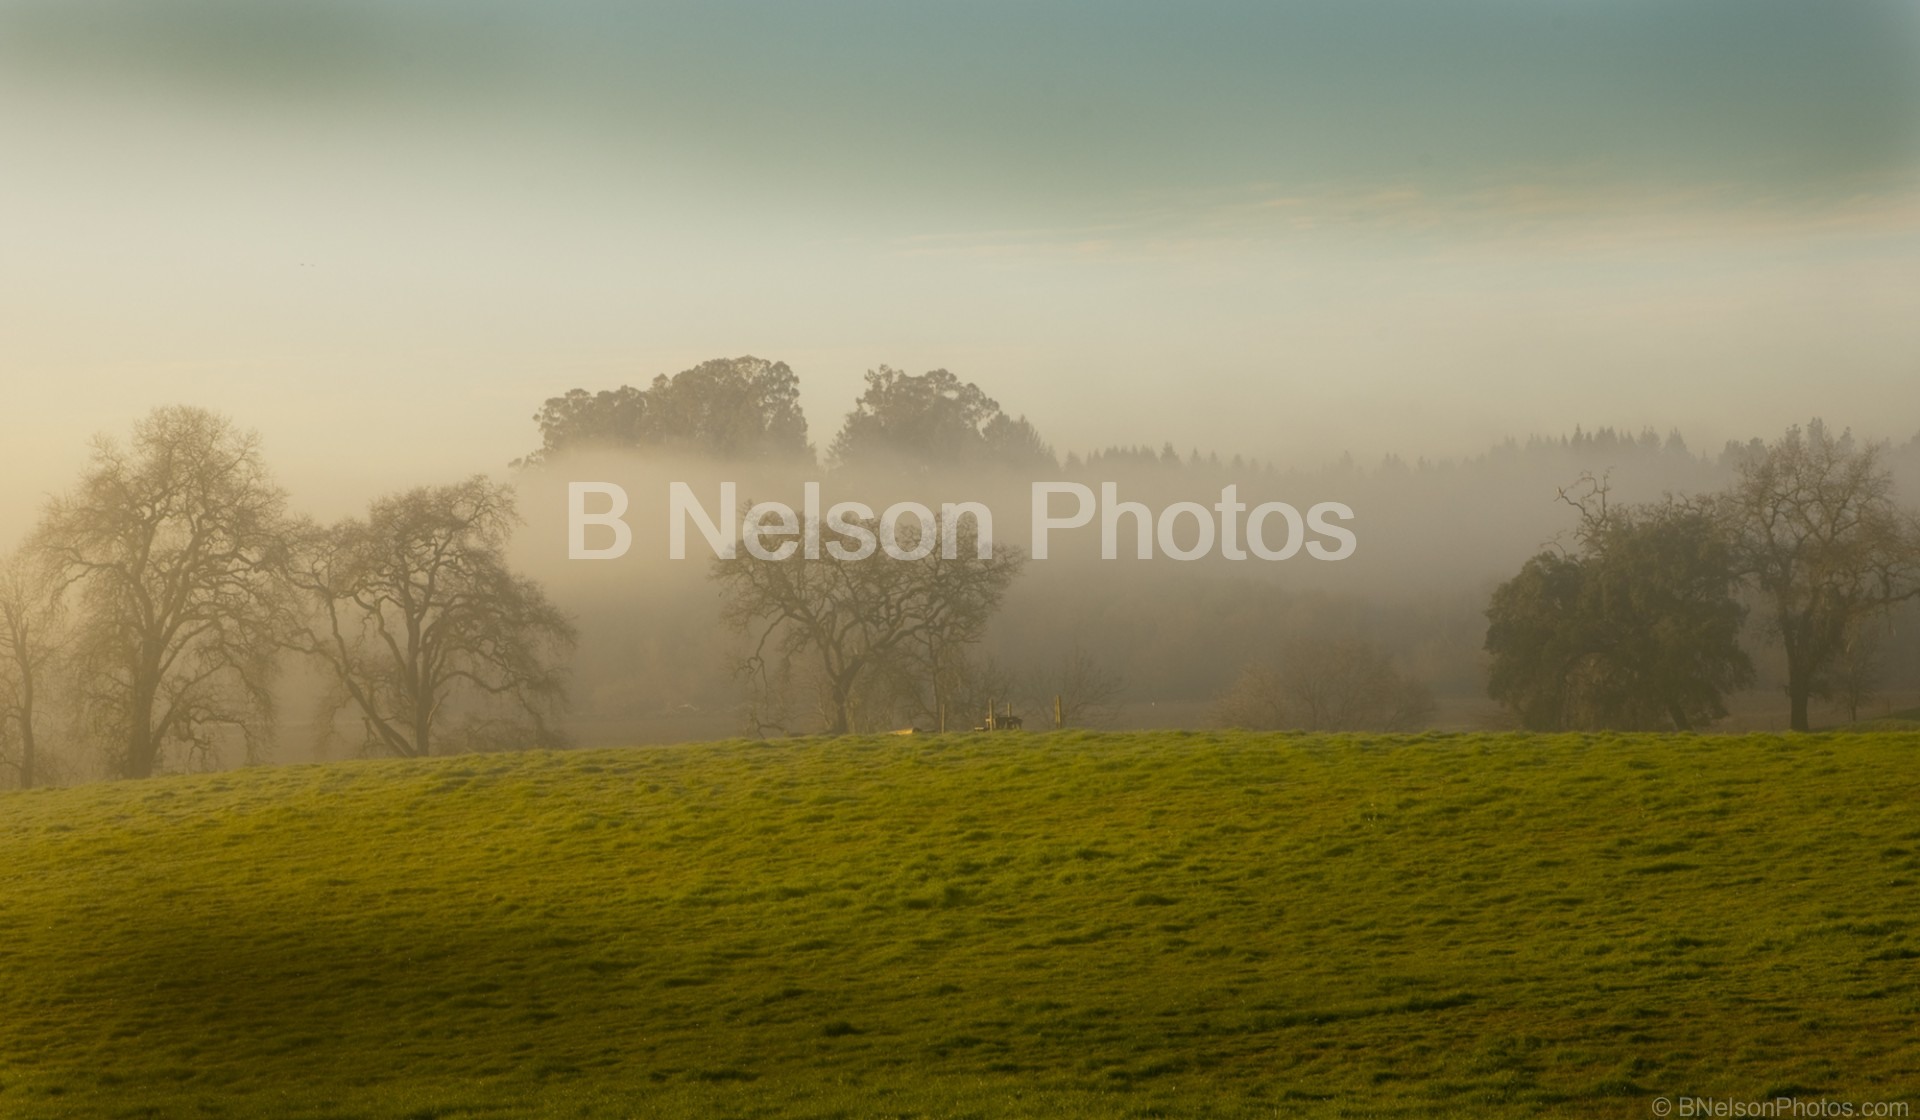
x=1068, y=925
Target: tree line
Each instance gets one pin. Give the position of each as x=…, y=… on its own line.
x=1637, y=622
x=153, y=607
x=1643, y=620
x=747, y=410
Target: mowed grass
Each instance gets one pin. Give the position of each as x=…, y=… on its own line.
x=1073, y=925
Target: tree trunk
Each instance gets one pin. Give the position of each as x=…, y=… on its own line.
x=1799, y=688
x=141, y=747
x=843, y=703
x=841, y=682
x=140, y=751
x=1679, y=717
x=26, y=732
x=1797, y=695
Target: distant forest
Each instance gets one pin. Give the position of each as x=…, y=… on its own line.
x=1169, y=647
x=748, y=409
x=171, y=612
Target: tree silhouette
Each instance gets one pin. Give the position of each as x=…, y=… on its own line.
x=30, y=611
x=1817, y=531
x=415, y=609
x=934, y=420
x=743, y=408
x=172, y=545
x=1637, y=628
x=860, y=622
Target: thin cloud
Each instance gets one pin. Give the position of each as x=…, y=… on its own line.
x=1564, y=214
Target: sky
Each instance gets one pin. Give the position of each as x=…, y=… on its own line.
x=381, y=232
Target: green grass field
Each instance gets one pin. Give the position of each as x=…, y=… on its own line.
x=1155, y=924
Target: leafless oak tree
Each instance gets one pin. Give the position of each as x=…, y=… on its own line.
x=29, y=639
x=863, y=621
x=1819, y=535
x=170, y=545
x=415, y=611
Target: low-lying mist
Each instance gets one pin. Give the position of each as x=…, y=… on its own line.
x=1432, y=540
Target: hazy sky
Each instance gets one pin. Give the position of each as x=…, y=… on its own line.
x=382, y=231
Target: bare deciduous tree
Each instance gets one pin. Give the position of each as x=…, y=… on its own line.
x=29, y=627
x=416, y=609
x=863, y=621
x=1818, y=533
x=171, y=545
